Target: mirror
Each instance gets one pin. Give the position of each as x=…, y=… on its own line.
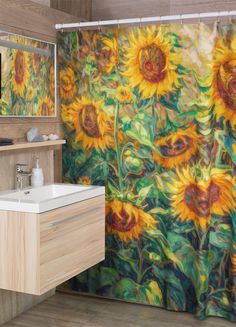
x=27, y=77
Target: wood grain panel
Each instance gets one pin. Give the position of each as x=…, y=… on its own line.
x=63, y=310
x=12, y=303
x=19, y=251
x=72, y=239
x=113, y=9
x=31, y=19
x=197, y=6
x=8, y=161
x=40, y=251
x=43, y=2
x=79, y=8
x=17, y=128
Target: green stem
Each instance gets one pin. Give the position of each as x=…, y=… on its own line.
x=145, y=271
x=117, y=146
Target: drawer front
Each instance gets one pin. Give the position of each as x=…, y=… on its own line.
x=72, y=239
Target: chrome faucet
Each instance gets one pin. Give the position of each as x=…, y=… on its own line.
x=20, y=174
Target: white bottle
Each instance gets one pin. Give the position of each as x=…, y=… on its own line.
x=37, y=175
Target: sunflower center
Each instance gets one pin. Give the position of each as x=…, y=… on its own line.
x=123, y=222
x=200, y=201
x=152, y=62
x=88, y=121
x=19, y=67
x=179, y=146
x=226, y=83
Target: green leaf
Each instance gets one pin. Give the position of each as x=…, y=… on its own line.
x=174, y=39
x=176, y=296
x=109, y=101
x=126, y=289
x=144, y=191
x=160, y=211
x=187, y=114
x=108, y=276
x=222, y=237
x=125, y=123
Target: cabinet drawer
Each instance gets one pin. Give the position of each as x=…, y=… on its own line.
x=72, y=239
x=40, y=251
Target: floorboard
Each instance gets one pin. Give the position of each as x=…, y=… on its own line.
x=66, y=310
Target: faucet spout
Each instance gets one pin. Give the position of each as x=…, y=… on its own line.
x=20, y=174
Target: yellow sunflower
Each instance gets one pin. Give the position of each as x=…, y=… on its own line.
x=223, y=82
x=126, y=220
x=94, y=127
x=47, y=107
x=233, y=260
x=177, y=148
x=197, y=199
x=124, y=94
x=154, y=293
x=20, y=71
x=85, y=180
x=107, y=58
x=150, y=63
x=67, y=83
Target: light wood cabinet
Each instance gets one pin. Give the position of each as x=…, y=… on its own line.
x=41, y=251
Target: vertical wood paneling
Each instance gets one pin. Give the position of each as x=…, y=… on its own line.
x=115, y=9
x=9, y=159
x=43, y=2
x=79, y=8
x=31, y=19
x=197, y=6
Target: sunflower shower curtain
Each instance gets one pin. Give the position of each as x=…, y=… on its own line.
x=150, y=112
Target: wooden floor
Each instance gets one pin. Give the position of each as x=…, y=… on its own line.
x=63, y=310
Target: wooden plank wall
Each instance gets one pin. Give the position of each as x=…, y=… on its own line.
x=79, y=8
x=115, y=9
x=34, y=20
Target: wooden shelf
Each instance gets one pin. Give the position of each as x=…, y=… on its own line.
x=28, y=145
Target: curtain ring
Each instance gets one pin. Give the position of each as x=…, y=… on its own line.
x=230, y=17
x=140, y=22
x=199, y=18
x=99, y=26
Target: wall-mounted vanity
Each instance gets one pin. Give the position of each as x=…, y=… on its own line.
x=49, y=234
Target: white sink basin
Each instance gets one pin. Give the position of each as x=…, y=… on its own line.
x=47, y=197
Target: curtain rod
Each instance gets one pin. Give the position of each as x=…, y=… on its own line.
x=147, y=19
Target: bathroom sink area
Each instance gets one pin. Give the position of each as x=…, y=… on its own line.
x=47, y=197
x=49, y=234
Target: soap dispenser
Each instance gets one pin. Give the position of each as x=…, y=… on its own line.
x=37, y=175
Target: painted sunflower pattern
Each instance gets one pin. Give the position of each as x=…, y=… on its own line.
x=151, y=114
x=27, y=80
